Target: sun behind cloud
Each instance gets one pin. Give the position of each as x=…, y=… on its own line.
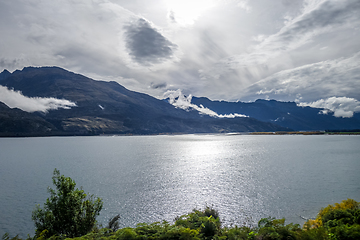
x=186, y=12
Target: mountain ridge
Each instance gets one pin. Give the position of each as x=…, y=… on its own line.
x=109, y=108
x=286, y=114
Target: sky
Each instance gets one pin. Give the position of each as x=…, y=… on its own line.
x=306, y=51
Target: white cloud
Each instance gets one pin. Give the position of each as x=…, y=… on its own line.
x=317, y=18
x=229, y=45
x=300, y=41
x=341, y=106
x=244, y=5
x=15, y=99
x=177, y=99
x=338, y=77
x=84, y=36
x=186, y=12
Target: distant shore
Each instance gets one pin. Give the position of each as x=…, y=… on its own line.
x=306, y=133
x=22, y=135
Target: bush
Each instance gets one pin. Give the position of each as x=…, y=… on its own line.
x=202, y=221
x=350, y=204
x=341, y=220
x=238, y=233
x=68, y=212
x=269, y=228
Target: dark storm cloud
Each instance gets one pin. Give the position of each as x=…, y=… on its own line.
x=146, y=45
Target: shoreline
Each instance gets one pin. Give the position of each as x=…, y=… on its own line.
x=306, y=133
x=19, y=135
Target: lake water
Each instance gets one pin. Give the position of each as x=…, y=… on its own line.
x=155, y=178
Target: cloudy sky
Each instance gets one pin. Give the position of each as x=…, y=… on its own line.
x=292, y=50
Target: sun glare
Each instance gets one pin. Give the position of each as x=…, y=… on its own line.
x=186, y=12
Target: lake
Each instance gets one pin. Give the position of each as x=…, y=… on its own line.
x=155, y=178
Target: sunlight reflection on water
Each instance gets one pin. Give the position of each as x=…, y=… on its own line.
x=151, y=178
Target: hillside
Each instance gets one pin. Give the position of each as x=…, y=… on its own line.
x=15, y=122
x=109, y=108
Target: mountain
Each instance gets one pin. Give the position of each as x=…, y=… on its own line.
x=15, y=122
x=285, y=114
x=109, y=108
x=4, y=74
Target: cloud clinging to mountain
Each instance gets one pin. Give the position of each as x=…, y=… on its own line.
x=341, y=106
x=15, y=99
x=179, y=100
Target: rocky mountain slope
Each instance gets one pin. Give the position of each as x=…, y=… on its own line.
x=106, y=108
x=15, y=122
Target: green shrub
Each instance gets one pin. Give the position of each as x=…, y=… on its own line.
x=126, y=234
x=182, y=233
x=341, y=221
x=203, y=221
x=271, y=229
x=344, y=205
x=343, y=224
x=68, y=212
x=238, y=233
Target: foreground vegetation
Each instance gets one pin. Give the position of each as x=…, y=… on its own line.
x=70, y=214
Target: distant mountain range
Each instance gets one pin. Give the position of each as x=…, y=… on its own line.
x=104, y=108
x=285, y=114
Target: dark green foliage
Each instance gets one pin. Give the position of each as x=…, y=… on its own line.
x=175, y=233
x=68, y=212
x=314, y=234
x=157, y=230
x=343, y=223
x=238, y=233
x=341, y=216
x=113, y=224
x=271, y=229
x=203, y=221
x=126, y=234
x=210, y=211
